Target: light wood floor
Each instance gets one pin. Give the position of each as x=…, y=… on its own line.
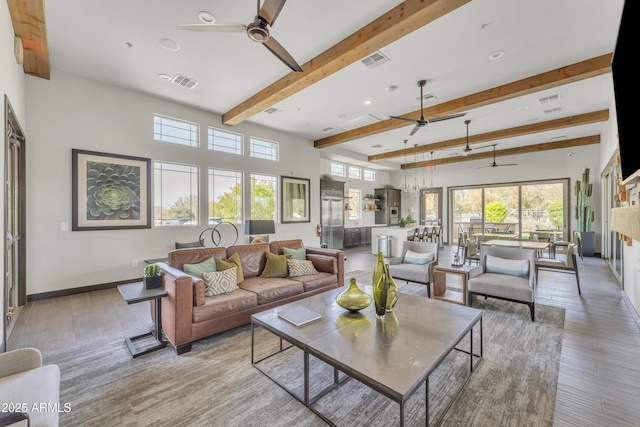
x=599, y=380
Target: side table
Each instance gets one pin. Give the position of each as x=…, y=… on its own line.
x=134, y=293
x=440, y=289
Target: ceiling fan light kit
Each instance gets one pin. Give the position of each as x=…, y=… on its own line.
x=422, y=122
x=405, y=186
x=258, y=30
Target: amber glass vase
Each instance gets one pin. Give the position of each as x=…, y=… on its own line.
x=353, y=298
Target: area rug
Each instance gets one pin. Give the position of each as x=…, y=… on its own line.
x=216, y=385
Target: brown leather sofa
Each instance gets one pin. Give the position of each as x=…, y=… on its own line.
x=188, y=315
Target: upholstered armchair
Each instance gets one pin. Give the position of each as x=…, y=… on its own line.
x=415, y=263
x=504, y=273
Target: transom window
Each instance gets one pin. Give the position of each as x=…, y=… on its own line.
x=175, y=131
x=262, y=149
x=225, y=196
x=226, y=142
x=337, y=169
x=175, y=194
x=354, y=172
x=368, y=175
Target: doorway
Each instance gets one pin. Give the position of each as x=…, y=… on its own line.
x=15, y=290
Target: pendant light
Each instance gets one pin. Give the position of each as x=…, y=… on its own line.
x=405, y=187
x=415, y=191
x=432, y=167
x=424, y=174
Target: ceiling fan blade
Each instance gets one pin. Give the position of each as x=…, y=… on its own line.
x=222, y=28
x=507, y=164
x=284, y=56
x=270, y=10
x=452, y=116
x=404, y=118
x=415, y=129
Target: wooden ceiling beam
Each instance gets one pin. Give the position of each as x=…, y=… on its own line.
x=578, y=120
x=575, y=142
x=403, y=19
x=550, y=79
x=28, y=19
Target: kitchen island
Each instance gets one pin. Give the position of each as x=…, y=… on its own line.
x=398, y=235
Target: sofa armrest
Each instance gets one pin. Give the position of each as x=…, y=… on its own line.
x=177, y=307
x=324, y=263
x=395, y=260
x=475, y=272
x=20, y=360
x=337, y=254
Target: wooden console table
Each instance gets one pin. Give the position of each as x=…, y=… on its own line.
x=440, y=290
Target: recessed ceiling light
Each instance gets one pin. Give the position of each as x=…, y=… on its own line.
x=206, y=17
x=392, y=88
x=524, y=107
x=497, y=54
x=164, y=76
x=342, y=116
x=169, y=44
x=368, y=102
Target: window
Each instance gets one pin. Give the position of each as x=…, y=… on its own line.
x=175, y=131
x=337, y=169
x=368, y=175
x=175, y=194
x=227, y=142
x=354, y=204
x=264, y=192
x=263, y=149
x=225, y=196
x=354, y=172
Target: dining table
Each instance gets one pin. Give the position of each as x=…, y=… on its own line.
x=525, y=244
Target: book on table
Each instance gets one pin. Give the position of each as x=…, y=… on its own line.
x=299, y=315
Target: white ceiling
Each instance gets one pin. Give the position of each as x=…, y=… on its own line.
x=91, y=39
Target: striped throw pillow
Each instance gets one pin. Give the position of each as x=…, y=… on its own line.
x=511, y=267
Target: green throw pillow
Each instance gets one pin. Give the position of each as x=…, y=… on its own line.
x=300, y=254
x=276, y=265
x=206, y=266
x=232, y=261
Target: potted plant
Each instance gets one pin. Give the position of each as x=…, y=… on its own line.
x=152, y=278
x=585, y=214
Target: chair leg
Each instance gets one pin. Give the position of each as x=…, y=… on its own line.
x=532, y=308
x=578, y=282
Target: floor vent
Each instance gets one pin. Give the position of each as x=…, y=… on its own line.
x=184, y=81
x=375, y=59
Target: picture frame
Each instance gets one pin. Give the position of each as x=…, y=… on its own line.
x=295, y=200
x=110, y=191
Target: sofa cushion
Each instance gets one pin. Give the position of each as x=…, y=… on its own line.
x=270, y=289
x=206, y=266
x=299, y=254
x=300, y=268
x=276, y=265
x=411, y=257
x=277, y=246
x=252, y=257
x=223, y=304
x=511, y=267
x=220, y=282
x=317, y=281
x=501, y=285
x=412, y=272
x=232, y=261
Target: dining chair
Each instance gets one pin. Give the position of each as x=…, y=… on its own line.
x=415, y=236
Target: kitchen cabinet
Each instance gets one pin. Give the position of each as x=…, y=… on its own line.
x=365, y=236
x=351, y=237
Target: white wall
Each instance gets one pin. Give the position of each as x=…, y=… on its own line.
x=555, y=164
x=71, y=112
x=11, y=85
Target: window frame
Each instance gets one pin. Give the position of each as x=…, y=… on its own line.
x=275, y=147
x=159, y=136
x=211, y=141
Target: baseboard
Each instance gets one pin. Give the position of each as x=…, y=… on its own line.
x=80, y=290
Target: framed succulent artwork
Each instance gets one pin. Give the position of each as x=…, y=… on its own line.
x=110, y=191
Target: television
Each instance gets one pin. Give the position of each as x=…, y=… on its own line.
x=624, y=85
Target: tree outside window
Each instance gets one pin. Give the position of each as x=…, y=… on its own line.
x=264, y=191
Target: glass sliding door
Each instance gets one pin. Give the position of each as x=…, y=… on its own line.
x=502, y=211
x=545, y=210
x=466, y=211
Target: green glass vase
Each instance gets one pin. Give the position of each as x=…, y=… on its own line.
x=392, y=290
x=353, y=298
x=380, y=287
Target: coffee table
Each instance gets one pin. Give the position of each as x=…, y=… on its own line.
x=382, y=354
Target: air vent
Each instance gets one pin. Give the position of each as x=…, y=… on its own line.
x=272, y=110
x=548, y=99
x=428, y=97
x=375, y=59
x=559, y=137
x=329, y=130
x=358, y=122
x=377, y=146
x=184, y=81
x=553, y=110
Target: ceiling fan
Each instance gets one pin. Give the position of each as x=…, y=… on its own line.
x=258, y=30
x=494, y=164
x=466, y=150
x=422, y=122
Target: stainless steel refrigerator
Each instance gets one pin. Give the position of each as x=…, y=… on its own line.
x=332, y=218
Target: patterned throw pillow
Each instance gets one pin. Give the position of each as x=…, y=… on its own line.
x=295, y=253
x=418, y=258
x=299, y=267
x=511, y=267
x=232, y=261
x=220, y=282
x=206, y=266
